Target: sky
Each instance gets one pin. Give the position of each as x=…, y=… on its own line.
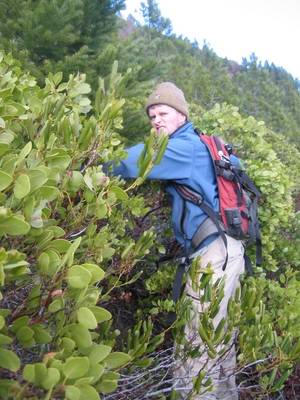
x=234, y=29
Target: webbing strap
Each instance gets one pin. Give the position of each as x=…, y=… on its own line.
x=219, y=226
x=206, y=229
x=176, y=290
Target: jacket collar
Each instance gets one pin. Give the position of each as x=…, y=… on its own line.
x=183, y=128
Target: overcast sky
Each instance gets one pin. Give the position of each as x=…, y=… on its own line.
x=237, y=28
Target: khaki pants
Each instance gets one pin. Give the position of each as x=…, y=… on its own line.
x=220, y=369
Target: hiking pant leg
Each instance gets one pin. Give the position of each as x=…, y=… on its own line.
x=220, y=369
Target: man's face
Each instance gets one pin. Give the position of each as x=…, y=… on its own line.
x=163, y=117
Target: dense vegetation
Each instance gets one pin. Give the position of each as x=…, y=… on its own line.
x=87, y=260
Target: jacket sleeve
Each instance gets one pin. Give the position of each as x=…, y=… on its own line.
x=177, y=162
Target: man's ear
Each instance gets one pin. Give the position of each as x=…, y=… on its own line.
x=182, y=118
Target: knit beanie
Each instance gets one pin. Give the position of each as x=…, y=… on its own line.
x=169, y=94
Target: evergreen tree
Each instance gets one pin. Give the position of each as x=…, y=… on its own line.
x=43, y=33
x=154, y=19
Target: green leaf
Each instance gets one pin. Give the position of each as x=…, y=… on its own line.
x=22, y=186
x=67, y=344
x=100, y=314
x=8, y=388
x=101, y=211
x=76, y=367
x=24, y=152
x=98, y=353
x=96, y=272
x=83, y=88
x=14, y=226
x=107, y=386
x=48, y=192
x=5, y=340
x=72, y=392
x=51, y=379
x=24, y=333
x=78, y=277
x=41, y=336
x=88, y=392
x=3, y=146
x=18, y=323
x=120, y=194
x=9, y=360
x=37, y=176
x=86, y=318
x=81, y=336
x=96, y=372
x=34, y=372
x=60, y=245
x=5, y=180
x=116, y=359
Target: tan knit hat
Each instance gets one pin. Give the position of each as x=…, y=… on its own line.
x=169, y=94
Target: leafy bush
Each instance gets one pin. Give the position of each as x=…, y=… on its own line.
x=65, y=235
x=73, y=238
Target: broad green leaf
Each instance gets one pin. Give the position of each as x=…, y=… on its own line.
x=60, y=161
x=57, y=231
x=5, y=180
x=67, y=344
x=69, y=256
x=57, y=78
x=107, y=386
x=6, y=137
x=101, y=211
x=96, y=272
x=34, y=372
x=3, y=146
x=100, y=313
x=86, y=318
x=24, y=333
x=16, y=268
x=5, y=340
x=76, y=367
x=8, y=388
x=55, y=305
x=43, y=262
x=78, y=277
x=120, y=194
x=42, y=337
x=60, y=245
x=48, y=192
x=29, y=207
x=9, y=360
x=115, y=142
x=27, y=344
x=88, y=393
x=72, y=392
x=14, y=226
x=81, y=336
x=24, y=152
x=84, y=102
x=76, y=180
x=116, y=359
x=96, y=372
x=83, y=88
x=98, y=353
x=21, y=321
x=2, y=321
x=51, y=379
x=38, y=177
x=22, y=186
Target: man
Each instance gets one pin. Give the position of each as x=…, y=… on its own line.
x=187, y=161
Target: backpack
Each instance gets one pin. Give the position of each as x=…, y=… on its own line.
x=238, y=215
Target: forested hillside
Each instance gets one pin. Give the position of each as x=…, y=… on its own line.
x=86, y=259
x=88, y=36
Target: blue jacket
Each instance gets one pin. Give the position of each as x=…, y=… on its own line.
x=186, y=161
